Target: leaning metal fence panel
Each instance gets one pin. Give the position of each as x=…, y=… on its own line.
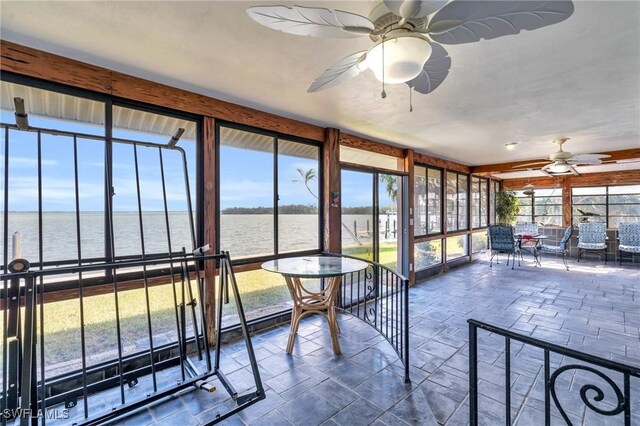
x=604, y=386
x=100, y=392
x=379, y=296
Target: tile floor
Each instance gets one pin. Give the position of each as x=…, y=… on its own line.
x=592, y=308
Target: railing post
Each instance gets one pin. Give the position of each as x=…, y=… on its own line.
x=627, y=400
x=473, y=375
x=27, y=405
x=547, y=389
x=405, y=283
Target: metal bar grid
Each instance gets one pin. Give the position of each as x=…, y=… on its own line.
x=42, y=389
x=32, y=390
x=379, y=296
x=589, y=363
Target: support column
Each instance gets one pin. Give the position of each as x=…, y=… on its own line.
x=210, y=207
x=409, y=167
x=566, y=201
x=445, y=229
x=332, y=199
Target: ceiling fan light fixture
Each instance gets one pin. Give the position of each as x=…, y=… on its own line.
x=404, y=58
x=559, y=168
x=511, y=145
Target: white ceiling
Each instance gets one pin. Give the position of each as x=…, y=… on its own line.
x=579, y=78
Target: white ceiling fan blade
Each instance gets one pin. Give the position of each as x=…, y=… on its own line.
x=585, y=162
x=343, y=70
x=311, y=21
x=537, y=163
x=546, y=173
x=588, y=157
x=407, y=9
x=434, y=72
x=469, y=21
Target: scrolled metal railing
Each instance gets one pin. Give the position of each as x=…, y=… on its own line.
x=379, y=296
x=589, y=392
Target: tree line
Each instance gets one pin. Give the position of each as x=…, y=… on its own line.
x=300, y=209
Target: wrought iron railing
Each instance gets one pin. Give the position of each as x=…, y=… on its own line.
x=379, y=296
x=31, y=393
x=601, y=368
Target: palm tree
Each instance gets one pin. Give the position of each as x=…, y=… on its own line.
x=307, y=177
x=391, y=185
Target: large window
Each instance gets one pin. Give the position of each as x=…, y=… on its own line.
x=479, y=202
x=609, y=204
x=457, y=195
x=427, y=201
x=269, y=194
x=543, y=208
x=76, y=196
x=65, y=149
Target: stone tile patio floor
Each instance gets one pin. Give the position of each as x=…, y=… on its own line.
x=592, y=308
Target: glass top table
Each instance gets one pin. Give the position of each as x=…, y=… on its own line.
x=307, y=301
x=314, y=266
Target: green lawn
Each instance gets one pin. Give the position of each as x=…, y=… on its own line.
x=262, y=293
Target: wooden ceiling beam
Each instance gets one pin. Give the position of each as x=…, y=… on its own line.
x=626, y=177
x=429, y=160
x=625, y=154
x=47, y=66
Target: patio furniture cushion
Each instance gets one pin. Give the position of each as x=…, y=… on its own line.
x=592, y=246
x=526, y=228
x=551, y=249
x=501, y=239
x=562, y=245
x=629, y=236
x=592, y=236
x=630, y=249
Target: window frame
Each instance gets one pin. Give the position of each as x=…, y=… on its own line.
x=457, y=202
x=479, y=180
x=532, y=218
x=606, y=203
x=441, y=197
x=110, y=102
x=320, y=173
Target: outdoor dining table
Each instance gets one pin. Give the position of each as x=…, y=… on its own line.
x=536, y=239
x=307, y=301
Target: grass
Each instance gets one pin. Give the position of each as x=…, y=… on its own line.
x=262, y=293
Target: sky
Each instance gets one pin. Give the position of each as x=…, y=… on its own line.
x=58, y=180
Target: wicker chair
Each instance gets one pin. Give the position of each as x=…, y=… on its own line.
x=592, y=236
x=501, y=241
x=561, y=247
x=629, y=239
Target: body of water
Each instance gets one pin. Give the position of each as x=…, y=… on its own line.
x=242, y=235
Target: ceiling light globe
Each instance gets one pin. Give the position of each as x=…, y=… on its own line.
x=404, y=57
x=559, y=168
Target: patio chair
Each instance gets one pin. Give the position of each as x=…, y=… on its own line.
x=526, y=228
x=592, y=236
x=501, y=241
x=629, y=239
x=561, y=247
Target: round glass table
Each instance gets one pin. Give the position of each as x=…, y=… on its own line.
x=307, y=302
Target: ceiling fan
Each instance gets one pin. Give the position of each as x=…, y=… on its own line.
x=405, y=40
x=562, y=162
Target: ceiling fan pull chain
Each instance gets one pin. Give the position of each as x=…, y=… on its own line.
x=383, y=94
x=410, y=98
